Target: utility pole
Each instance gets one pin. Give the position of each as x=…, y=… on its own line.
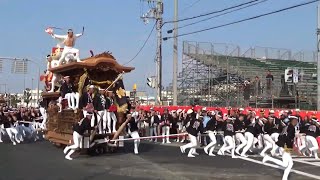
x=156, y=13
x=32, y=92
x=159, y=13
x=318, y=60
x=175, y=54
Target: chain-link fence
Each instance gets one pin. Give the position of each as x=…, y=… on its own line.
x=218, y=74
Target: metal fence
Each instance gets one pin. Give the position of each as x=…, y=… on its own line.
x=208, y=78
x=256, y=52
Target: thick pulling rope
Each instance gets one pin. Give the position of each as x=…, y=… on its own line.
x=29, y=122
x=150, y=137
x=161, y=136
x=165, y=136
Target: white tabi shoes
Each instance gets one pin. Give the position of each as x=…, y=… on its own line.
x=191, y=156
x=195, y=153
x=205, y=150
x=182, y=149
x=68, y=157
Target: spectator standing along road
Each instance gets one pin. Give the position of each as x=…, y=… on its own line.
x=269, y=80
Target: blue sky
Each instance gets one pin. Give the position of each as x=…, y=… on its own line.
x=116, y=26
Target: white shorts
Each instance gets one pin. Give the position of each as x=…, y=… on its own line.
x=179, y=126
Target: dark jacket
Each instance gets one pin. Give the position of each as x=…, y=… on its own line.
x=313, y=131
x=239, y=125
x=85, y=99
x=133, y=125
x=156, y=120
x=195, y=127
x=66, y=88
x=228, y=128
x=98, y=103
x=166, y=119
x=83, y=126
x=109, y=102
x=287, y=136
x=211, y=125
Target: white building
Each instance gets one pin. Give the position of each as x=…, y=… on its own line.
x=34, y=98
x=144, y=99
x=34, y=94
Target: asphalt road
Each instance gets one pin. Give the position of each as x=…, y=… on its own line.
x=41, y=160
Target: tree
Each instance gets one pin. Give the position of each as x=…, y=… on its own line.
x=27, y=96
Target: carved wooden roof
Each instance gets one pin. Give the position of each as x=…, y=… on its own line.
x=104, y=61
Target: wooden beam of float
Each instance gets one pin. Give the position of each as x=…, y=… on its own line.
x=117, y=79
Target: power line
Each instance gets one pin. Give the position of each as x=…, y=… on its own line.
x=144, y=44
x=214, y=12
x=243, y=20
x=190, y=6
x=170, y=31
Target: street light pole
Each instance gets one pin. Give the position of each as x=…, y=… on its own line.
x=38, y=88
x=318, y=60
x=175, y=54
x=31, y=90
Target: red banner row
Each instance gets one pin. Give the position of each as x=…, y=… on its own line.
x=277, y=112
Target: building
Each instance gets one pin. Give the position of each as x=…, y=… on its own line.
x=33, y=98
x=143, y=98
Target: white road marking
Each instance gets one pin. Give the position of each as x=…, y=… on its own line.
x=306, y=162
x=259, y=156
x=307, y=159
x=295, y=156
x=318, y=163
x=276, y=166
x=279, y=167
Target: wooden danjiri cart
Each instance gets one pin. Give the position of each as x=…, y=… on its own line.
x=100, y=70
